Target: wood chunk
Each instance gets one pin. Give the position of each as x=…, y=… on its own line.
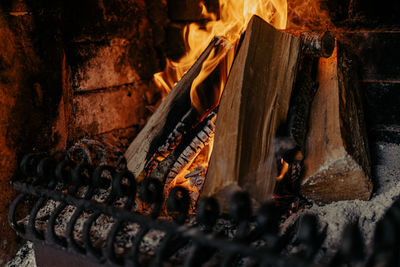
x=318, y=44
x=161, y=123
x=337, y=164
x=254, y=104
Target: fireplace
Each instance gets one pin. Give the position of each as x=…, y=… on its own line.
x=90, y=89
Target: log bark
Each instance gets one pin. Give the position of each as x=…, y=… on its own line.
x=318, y=44
x=166, y=117
x=254, y=104
x=300, y=102
x=315, y=43
x=337, y=164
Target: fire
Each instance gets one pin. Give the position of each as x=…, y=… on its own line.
x=234, y=17
x=205, y=98
x=197, y=166
x=284, y=170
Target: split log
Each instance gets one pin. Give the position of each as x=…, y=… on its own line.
x=254, y=104
x=337, y=164
x=314, y=45
x=163, y=122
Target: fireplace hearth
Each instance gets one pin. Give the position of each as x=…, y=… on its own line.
x=108, y=233
x=191, y=190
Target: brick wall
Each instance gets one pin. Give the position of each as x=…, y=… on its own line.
x=112, y=50
x=372, y=30
x=30, y=82
x=70, y=69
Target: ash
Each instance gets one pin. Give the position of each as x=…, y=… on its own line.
x=334, y=216
x=25, y=257
x=386, y=175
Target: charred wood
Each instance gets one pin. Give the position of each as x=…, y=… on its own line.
x=164, y=121
x=203, y=138
x=300, y=103
x=191, y=145
x=181, y=128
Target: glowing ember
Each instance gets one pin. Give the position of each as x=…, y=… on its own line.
x=192, y=177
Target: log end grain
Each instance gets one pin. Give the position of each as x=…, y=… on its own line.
x=342, y=179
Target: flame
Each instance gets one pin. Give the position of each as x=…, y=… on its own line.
x=233, y=20
x=284, y=170
x=200, y=162
x=207, y=87
x=206, y=97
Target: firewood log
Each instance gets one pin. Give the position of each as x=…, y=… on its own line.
x=337, y=164
x=191, y=145
x=254, y=104
x=163, y=122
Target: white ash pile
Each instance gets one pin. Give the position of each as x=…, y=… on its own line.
x=366, y=214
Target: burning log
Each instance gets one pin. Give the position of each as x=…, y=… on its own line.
x=190, y=146
x=202, y=138
x=166, y=118
x=173, y=139
x=254, y=104
x=337, y=164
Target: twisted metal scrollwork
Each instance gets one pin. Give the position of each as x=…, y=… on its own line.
x=256, y=239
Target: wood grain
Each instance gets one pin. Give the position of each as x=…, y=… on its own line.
x=254, y=104
x=337, y=164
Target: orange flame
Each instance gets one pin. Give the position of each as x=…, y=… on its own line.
x=233, y=20
x=284, y=170
x=234, y=17
x=200, y=162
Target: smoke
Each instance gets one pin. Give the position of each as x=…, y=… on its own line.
x=282, y=145
x=308, y=15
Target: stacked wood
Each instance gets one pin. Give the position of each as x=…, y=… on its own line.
x=254, y=104
x=337, y=164
x=263, y=93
